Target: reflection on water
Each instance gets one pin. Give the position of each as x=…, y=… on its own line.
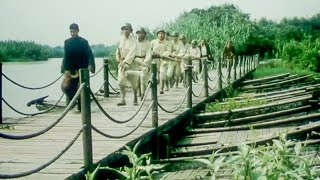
x=36, y=74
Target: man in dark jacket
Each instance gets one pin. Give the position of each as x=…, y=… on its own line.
x=77, y=55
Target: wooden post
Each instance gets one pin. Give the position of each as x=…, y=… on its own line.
x=1, y=92
x=244, y=65
x=86, y=119
x=188, y=72
x=154, y=95
x=219, y=74
x=205, y=76
x=240, y=64
x=235, y=67
x=106, y=77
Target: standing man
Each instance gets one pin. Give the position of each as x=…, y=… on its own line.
x=126, y=44
x=228, y=55
x=183, y=50
x=77, y=55
x=161, y=49
x=205, y=55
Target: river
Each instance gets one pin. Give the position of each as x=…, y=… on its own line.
x=37, y=74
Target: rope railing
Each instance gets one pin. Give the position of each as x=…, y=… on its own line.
x=113, y=76
x=178, y=107
x=213, y=86
x=32, y=114
x=201, y=91
x=194, y=80
x=127, y=134
x=100, y=87
x=18, y=175
x=96, y=72
x=64, y=113
x=31, y=88
x=122, y=121
x=212, y=79
x=113, y=88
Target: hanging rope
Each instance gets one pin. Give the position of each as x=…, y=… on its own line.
x=113, y=76
x=123, y=121
x=100, y=87
x=125, y=135
x=212, y=79
x=113, y=88
x=68, y=108
x=32, y=114
x=96, y=72
x=31, y=88
x=3, y=176
x=200, y=92
x=193, y=79
x=179, y=106
x=213, y=87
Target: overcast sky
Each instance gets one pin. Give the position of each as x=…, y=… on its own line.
x=47, y=21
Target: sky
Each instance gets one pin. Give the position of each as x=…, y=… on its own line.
x=47, y=21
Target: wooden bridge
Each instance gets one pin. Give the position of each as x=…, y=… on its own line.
x=19, y=156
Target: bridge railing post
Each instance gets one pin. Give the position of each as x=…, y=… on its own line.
x=240, y=64
x=244, y=65
x=188, y=73
x=154, y=94
x=106, y=77
x=205, y=77
x=1, y=91
x=86, y=119
x=235, y=67
x=219, y=74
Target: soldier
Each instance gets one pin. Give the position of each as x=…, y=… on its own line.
x=161, y=49
x=193, y=53
x=228, y=55
x=183, y=50
x=205, y=54
x=141, y=57
x=174, y=70
x=126, y=44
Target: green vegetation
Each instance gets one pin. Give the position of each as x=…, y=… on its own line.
x=6, y=126
x=229, y=104
x=140, y=166
x=23, y=51
x=277, y=66
x=284, y=159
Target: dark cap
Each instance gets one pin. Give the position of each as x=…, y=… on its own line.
x=74, y=26
x=126, y=25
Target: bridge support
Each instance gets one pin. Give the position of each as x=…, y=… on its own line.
x=205, y=77
x=1, y=91
x=154, y=94
x=219, y=74
x=188, y=73
x=235, y=62
x=106, y=77
x=86, y=119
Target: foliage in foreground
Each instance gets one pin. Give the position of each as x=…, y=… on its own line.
x=282, y=160
x=140, y=166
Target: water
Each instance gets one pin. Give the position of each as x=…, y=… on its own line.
x=36, y=74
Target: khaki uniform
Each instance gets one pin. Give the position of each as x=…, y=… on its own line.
x=194, y=55
x=126, y=45
x=141, y=57
x=174, y=69
x=163, y=48
x=228, y=54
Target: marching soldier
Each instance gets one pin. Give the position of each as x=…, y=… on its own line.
x=141, y=58
x=183, y=50
x=161, y=50
x=174, y=70
x=126, y=45
x=193, y=53
x=228, y=55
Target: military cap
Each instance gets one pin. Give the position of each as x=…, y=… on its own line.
x=194, y=42
x=161, y=30
x=128, y=25
x=141, y=30
x=175, y=34
x=182, y=36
